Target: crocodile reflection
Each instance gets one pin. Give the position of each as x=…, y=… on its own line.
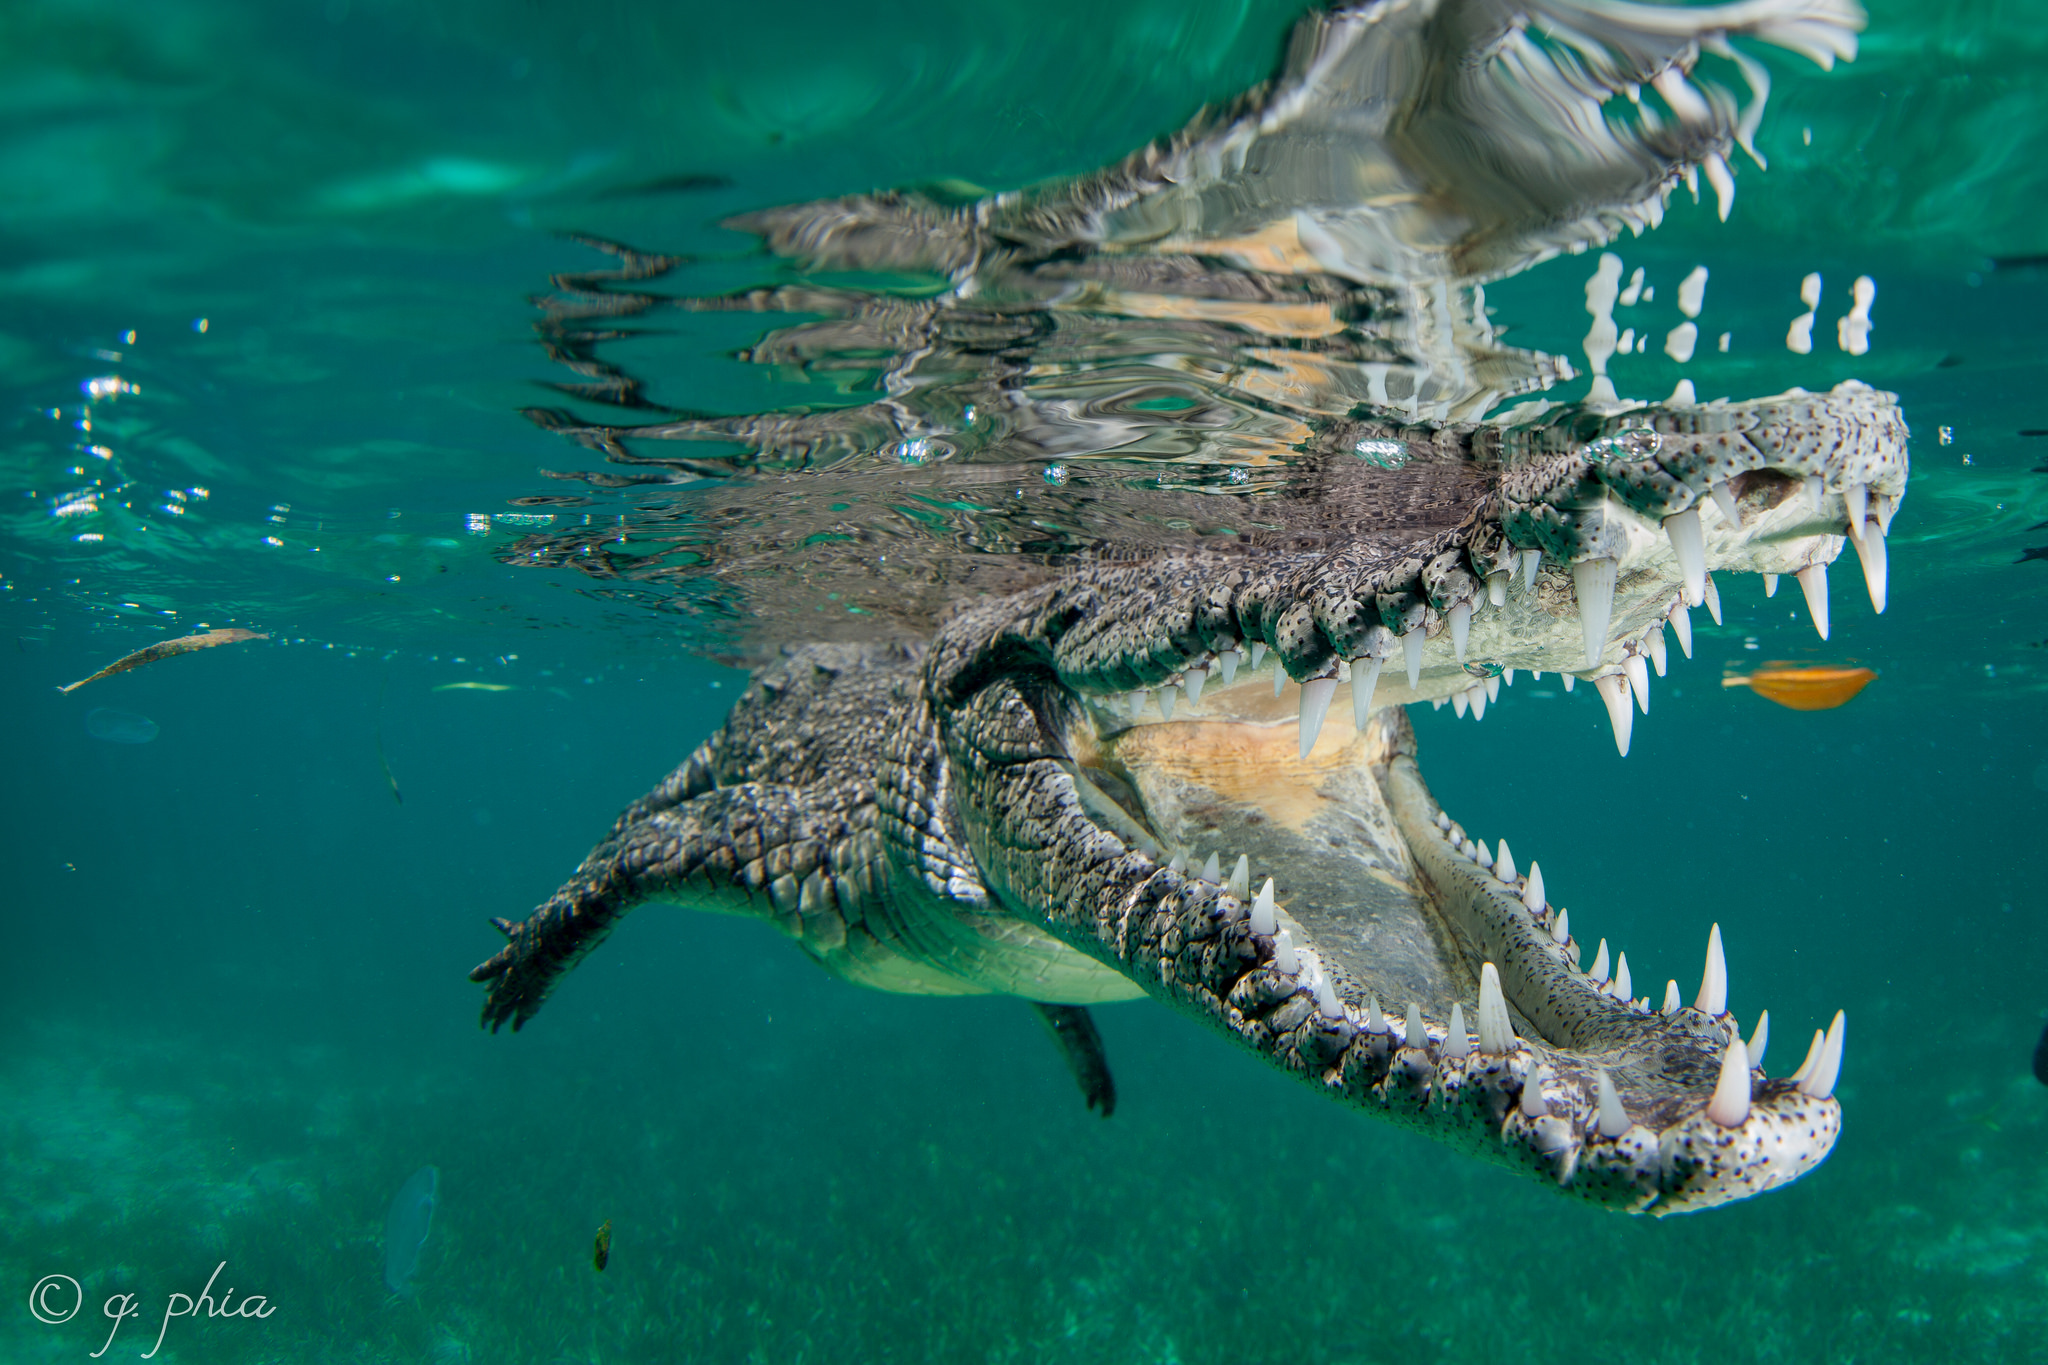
x=1110, y=487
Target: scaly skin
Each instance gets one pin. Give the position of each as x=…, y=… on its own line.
x=984, y=808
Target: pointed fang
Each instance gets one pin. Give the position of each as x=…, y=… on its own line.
x=1315, y=704
x=1265, y=917
x=1713, y=600
x=1414, y=1033
x=1461, y=628
x=1637, y=670
x=1167, y=695
x=1195, y=678
x=1457, y=1043
x=1713, y=996
x=1496, y=1033
x=1226, y=663
x=1689, y=543
x=1623, y=988
x=1770, y=585
x=1285, y=960
x=1827, y=1068
x=1240, y=883
x=1614, y=691
x=1593, y=580
x=1561, y=929
x=1531, y=561
x=1599, y=972
x=1365, y=676
x=1212, y=871
x=1813, y=581
x=1760, y=1040
x=1504, y=864
x=1870, y=549
x=1411, y=646
x=1613, y=1118
x=1533, y=1104
x=1730, y=1105
x=1724, y=498
x=1532, y=890
x=1681, y=626
x=1820, y=1042
x=1673, y=1002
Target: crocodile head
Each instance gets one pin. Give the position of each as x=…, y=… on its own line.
x=1190, y=475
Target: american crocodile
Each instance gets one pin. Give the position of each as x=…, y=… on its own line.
x=1055, y=761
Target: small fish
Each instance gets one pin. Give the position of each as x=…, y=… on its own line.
x=164, y=649
x=601, y=1257
x=477, y=687
x=1804, y=689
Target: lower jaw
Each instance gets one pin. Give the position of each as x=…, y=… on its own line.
x=1399, y=916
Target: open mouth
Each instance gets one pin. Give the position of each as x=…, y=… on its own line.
x=1275, y=857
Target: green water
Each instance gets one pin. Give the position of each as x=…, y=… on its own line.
x=233, y=1007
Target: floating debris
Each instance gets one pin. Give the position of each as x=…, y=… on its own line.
x=164, y=649
x=602, y=1255
x=119, y=727
x=1804, y=689
x=477, y=687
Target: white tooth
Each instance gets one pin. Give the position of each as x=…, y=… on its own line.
x=1265, y=918
x=1461, y=628
x=1599, y=972
x=1723, y=183
x=1497, y=587
x=1195, y=678
x=1532, y=890
x=1496, y=1033
x=1279, y=678
x=1443, y=819
x=1258, y=652
x=1813, y=581
x=1315, y=704
x=1770, y=585
x=1507, y=675
x=1468, y=850
x=1411, y=645
x=1326, y=998
x=1561, y=928
x=1759, y=1040
x=1689, y=543
x=1531, y=560
x=1479, y=703
x=1365, y=676
x=1857, y=499
x=1820, y=1042
x=1623, y=987
x=1672, y=1002
x=1870, y=549
x=1685, y=101
x=1166, y=700
x=1614, y=691
x=1637, y=669
x=1533, y=1104
x=1226, y=663
x=1457, y=1043
x=1137, y=700
x=1458, y=704
x=1886, y=505
x=1681, y=626
x=1713, y=600
x=1659, y=654
x=1240, y=883
x=1593, y=580
x=1724, y=498
x=1482, y=857
x=1730, y=1105
x=1285, y=960
x=1816, y=492
x=1414, y=1033
x=1571, y=680
x=1613, y=1118
x=1493, y=683
x=1212, y=870
x=1504, y=864
x=1177, y=863
x=1827, y=1068
x=1375, y=1022
x=1713, y=996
